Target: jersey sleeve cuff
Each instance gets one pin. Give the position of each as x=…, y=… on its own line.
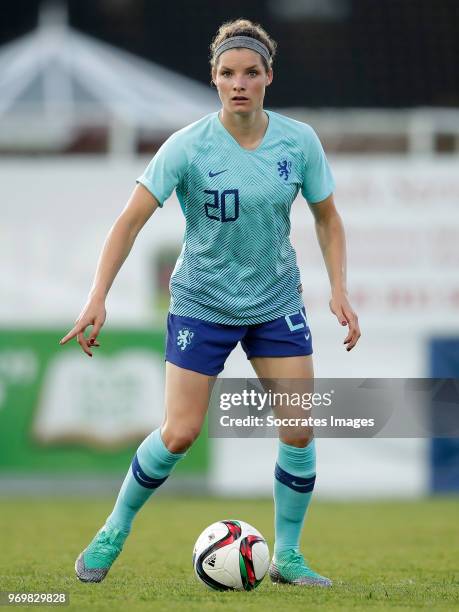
x=142, y=180
x=317, y=199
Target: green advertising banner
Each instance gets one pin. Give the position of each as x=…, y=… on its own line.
x=62, y=412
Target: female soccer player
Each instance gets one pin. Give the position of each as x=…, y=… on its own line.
x=236, y=173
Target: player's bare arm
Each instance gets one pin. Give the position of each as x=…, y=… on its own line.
x=118, y=244
x=332, y=241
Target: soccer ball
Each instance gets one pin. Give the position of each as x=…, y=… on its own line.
x=231, y=555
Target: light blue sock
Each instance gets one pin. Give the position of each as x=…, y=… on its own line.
x=294, y=479
x=151, y=466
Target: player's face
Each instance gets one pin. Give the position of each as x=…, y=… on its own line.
x=241, y=79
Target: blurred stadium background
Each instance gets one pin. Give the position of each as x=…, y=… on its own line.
x=88, y=91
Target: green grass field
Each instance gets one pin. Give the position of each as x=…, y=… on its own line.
x=382, y=555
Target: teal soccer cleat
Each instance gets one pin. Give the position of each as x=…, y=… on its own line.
x=95, y=561
x=290, y=568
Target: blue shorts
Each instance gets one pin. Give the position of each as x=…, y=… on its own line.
x=203, y=347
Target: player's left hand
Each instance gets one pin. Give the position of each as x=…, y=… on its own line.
x=340, y=307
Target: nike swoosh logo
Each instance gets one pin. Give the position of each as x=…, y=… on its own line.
x=307, y=337
x=297, y=484
x=142, y=479
x=212, y=174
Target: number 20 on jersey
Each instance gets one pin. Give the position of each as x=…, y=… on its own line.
x=225, y=205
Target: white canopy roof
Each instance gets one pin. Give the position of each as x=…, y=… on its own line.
x=57, y=79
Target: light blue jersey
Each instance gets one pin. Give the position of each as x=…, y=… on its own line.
x=237, y=265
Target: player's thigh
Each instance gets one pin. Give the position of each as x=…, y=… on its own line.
x=283, y=367
x=288, y=376
x=187, y=395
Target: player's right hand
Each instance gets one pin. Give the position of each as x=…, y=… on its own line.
x=94, y=314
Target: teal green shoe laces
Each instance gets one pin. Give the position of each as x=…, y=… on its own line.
x=291, y=567
x=104, y=548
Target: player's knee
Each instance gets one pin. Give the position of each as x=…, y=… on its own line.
x=297, y=439
x=179, y=440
